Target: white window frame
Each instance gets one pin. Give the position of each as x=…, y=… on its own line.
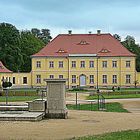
x=114, y=79
x=104, y=79
x=51, y=64
x=91, y=64
x=60, y=64
x=114, y=64
x=73, y=64
x=60, y=76
x=82, y=64
x=91, y=79
x=38, y=79
x=128, y=65
x=73, y=79
x=128, y=79
x=51, y=76
x=104, y=64
x=38, y=64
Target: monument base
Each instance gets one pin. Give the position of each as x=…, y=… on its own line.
x=57, y=114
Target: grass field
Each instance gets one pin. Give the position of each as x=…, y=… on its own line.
x=115, y=96
x=122, y=135
x=110, y=107
x=18, y=98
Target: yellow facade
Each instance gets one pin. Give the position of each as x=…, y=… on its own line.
x=92, y=76
x=121, y=70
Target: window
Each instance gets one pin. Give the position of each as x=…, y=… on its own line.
x=128, y=79
x=114, y=64
x=9, y=79
x=127, y=64
x=73, y=64
x=14, y=80
x=51, y=63
x=60, y=76
x=38, y=79
x=114, y=79
x=38, y=64
x=6, y=79
x=51, y=76
x=104, y=64
x=73, y=78
x=91, y=80
x=82, y=64
x=24, y=80
x=91, y=64
x=104, y=79
x=60, y=64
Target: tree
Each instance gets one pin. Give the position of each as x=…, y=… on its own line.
x=10, y=52
x=29, y=45
x=116, y=36
x=130, y=44
x=43, y=34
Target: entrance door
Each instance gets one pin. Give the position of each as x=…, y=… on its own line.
x=82, y=80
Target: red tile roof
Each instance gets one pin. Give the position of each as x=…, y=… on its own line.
x=101, y=45
x=3, y=69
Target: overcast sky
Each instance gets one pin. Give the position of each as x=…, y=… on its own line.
x=114, y=16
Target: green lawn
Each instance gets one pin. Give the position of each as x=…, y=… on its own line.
x=113, y=96
x=18, y=98
x=110, y=107
x=122, y=135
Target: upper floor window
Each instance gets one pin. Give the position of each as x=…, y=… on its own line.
x=60, y=76
x=104, y=64
x=127, y=64
x=128, y=79
x=91, y=80
x=51, y=76
x=114, y=79
x=38, y=64
x=51, y=64
x=60, y=64
x=104, y=79
x=73, y=78
x=91, y=64
x=38, y=79
x=73, y=64
x=24, y=80
x=114, y=64
x=82, y=64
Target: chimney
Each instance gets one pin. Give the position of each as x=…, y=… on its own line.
x=69, y=32
x=89, y=32
x=98, y=32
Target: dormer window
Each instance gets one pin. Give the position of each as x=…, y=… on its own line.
x=83, y=42
x=61, y=51
x=104, y=51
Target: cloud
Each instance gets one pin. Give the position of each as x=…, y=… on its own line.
x=114, y=16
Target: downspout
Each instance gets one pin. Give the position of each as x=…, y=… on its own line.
x=97, y=74
x=68, y=73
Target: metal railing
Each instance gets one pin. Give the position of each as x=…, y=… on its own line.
x=101, y=102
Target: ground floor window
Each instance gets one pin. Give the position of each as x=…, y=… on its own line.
x=104, y=79
x=128, y=79
x=24, y=80
x=38, y=79
x=114, y=79
x=51, y=76
x=14, y=80
x=73, y=78
x=60, y=76
x=91, y=80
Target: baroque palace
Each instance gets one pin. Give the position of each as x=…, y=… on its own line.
x=85, y=60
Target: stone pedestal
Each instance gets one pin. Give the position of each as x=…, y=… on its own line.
x=37, y=105
x=56, y=105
